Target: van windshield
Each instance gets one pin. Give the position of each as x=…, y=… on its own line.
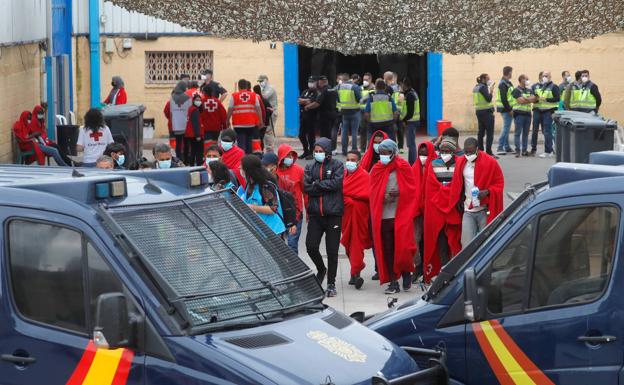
x=215, y=261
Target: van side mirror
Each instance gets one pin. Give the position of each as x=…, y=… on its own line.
x=473, y=309
x=112, y=324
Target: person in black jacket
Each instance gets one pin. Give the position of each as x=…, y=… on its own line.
x=323, y=184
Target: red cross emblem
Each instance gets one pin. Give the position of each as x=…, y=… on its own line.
x=96, y=136
x=245, y=97
x=211, y=105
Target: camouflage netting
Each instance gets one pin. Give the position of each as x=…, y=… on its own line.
x=389, y=26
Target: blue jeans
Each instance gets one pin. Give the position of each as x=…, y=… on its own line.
x=523, y=125
x=410, y=137
x=350, y=124
x=545, y=119
x=293, y=239
x=503, y=141
x=54, y=153
x=388, y=128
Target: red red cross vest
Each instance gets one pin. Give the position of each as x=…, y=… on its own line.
x=244, y=112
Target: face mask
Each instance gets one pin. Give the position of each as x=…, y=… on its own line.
x=544, y=80
x=164, y=163
x=446, y=157
x=385, y=159
x=527, y=83
x=226, y=146
x=339, y=82
x=311, y=85
x=121, y=159
x=351, y=166
x=40, y=116
x=202, y=77
x=489, y=83
x=423, y=159
x=365, y=83
x=376, y=147
x=471, y=157
x=319, y=157
x=197, y=103
x=263, y=84
x=208, y=160
x=569, y=79
x=584, y=79
x=288, y=162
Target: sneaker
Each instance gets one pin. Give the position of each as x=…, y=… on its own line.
x=352, y=280
x=500, y=151
x=525, y=153
x=375, y=276
x=335, y=152
x=517, y=153
x=359, y=282
x=407, y=281
x=320, y=275
x=493, y=155
x=546, y=155
x=331, y=290
x=509, y=150
x=393, y=288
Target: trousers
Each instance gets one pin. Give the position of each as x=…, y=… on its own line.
x=331, y=227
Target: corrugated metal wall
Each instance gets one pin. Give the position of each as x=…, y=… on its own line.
x=121, y=21
x=22, y=20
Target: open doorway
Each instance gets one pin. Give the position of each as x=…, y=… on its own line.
x=313, y=61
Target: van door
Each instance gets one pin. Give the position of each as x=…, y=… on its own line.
x=549, y=316
x=52, y=274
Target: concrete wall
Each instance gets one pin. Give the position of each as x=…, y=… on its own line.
x=602, y=56
x=233, y=59
x=20, y=82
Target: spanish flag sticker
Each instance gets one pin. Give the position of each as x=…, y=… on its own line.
x=508, y=362
x=102, y=367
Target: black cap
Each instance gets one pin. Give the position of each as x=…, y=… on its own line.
x=312, y=79
x=269, y=158
x=322, y=77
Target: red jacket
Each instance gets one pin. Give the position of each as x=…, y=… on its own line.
x=122, y=97
x=213, y=116
x=167, y=112
x=37, y=126
x=293, y=174
x=193, y=123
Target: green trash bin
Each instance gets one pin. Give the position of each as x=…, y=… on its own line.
x=589, y=134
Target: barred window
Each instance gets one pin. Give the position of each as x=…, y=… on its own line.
x=164, y=67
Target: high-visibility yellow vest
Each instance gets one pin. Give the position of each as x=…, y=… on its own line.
x=479, y=100
x=510, y=99
x=586, y=100
x=416, y=116
x=575, y=96
x=346, y=97
x=381, y=108
x=545, y=92
x=526, y=93
x=365, y=94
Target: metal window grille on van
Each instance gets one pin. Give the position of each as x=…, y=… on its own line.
x=164, y=67
x=217, y=261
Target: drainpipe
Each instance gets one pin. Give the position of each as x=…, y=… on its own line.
x=94, y=46
x=49, y=74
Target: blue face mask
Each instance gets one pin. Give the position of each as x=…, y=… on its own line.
x=385, y=159
x=227, y=146
x=288, y=162
x=121, y=159
x=164, y=163
x=376, y=147
x=319, y=157
x=351, y=166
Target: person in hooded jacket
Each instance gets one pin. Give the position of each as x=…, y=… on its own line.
x=117, y=94
x=289, y=170
x=371, y=156
x=194, y=134
x=39, y=132
x=323, y=184
x=232, y=154
x=25, y=141
x=179, y=105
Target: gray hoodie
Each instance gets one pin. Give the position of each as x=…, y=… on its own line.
x=179, y=106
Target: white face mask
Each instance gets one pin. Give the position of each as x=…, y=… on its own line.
x=527, y=83
x=263, y=84
x=351, y=166
x=584, y=79
x=226, y=146
x=311, y=85
x=489, y=83
x=288, y=162
x=471, y=157
x=197, y=103
x=545, y=80
x=319, y=157
x=365, y=83
x=569, y=79
x=446, y=157
x=423, y=159
x=208, y=160
x=385, y=159
x=202, y=77
x=339, y=82
x=376, y=147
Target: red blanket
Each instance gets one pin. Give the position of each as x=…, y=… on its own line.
x=367, y=159
x=232, y=160
x=420, y=173
x=438, y=217
x=355, y=232
x=487, y=176
x=404, y=242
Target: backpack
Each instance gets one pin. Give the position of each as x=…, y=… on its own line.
x=289, y=208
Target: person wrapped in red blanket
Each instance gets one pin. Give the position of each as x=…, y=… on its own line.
x=392, y=203
x=442, y=224
x=25, y=140
x=356, y=235
x=481, y=172
x=371, y=156
x=40, y=133
x=232, y=154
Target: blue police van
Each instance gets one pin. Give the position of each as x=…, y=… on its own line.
x=536, y=298
x=151, y=278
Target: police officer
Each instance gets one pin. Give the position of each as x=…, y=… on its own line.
x=349, y=95
x=548, y=96
x=308, y=118
x=393, y=89
x=484, y=109
x=326, y=104
x=368, y=87
x=585, y=95
x=524, y=97
x=410, y=117
x=504, y=105
x=381, y=111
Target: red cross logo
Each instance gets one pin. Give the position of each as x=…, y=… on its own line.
x=211, y=105
x=96, y=136
x=245, y=97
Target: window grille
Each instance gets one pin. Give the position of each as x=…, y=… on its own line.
x=165, y=67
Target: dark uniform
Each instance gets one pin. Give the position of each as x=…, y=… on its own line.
x=308, y=119
x=327, y=111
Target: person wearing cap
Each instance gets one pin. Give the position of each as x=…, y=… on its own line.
x=392, y=192
x=217, y=90
x=308, y=116
x=290, y=171
x=323, y=185
x=442, y=235
x=268, y=92
x=381, y=111
x=326, y=104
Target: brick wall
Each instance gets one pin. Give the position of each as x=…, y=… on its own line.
x=20, y=89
